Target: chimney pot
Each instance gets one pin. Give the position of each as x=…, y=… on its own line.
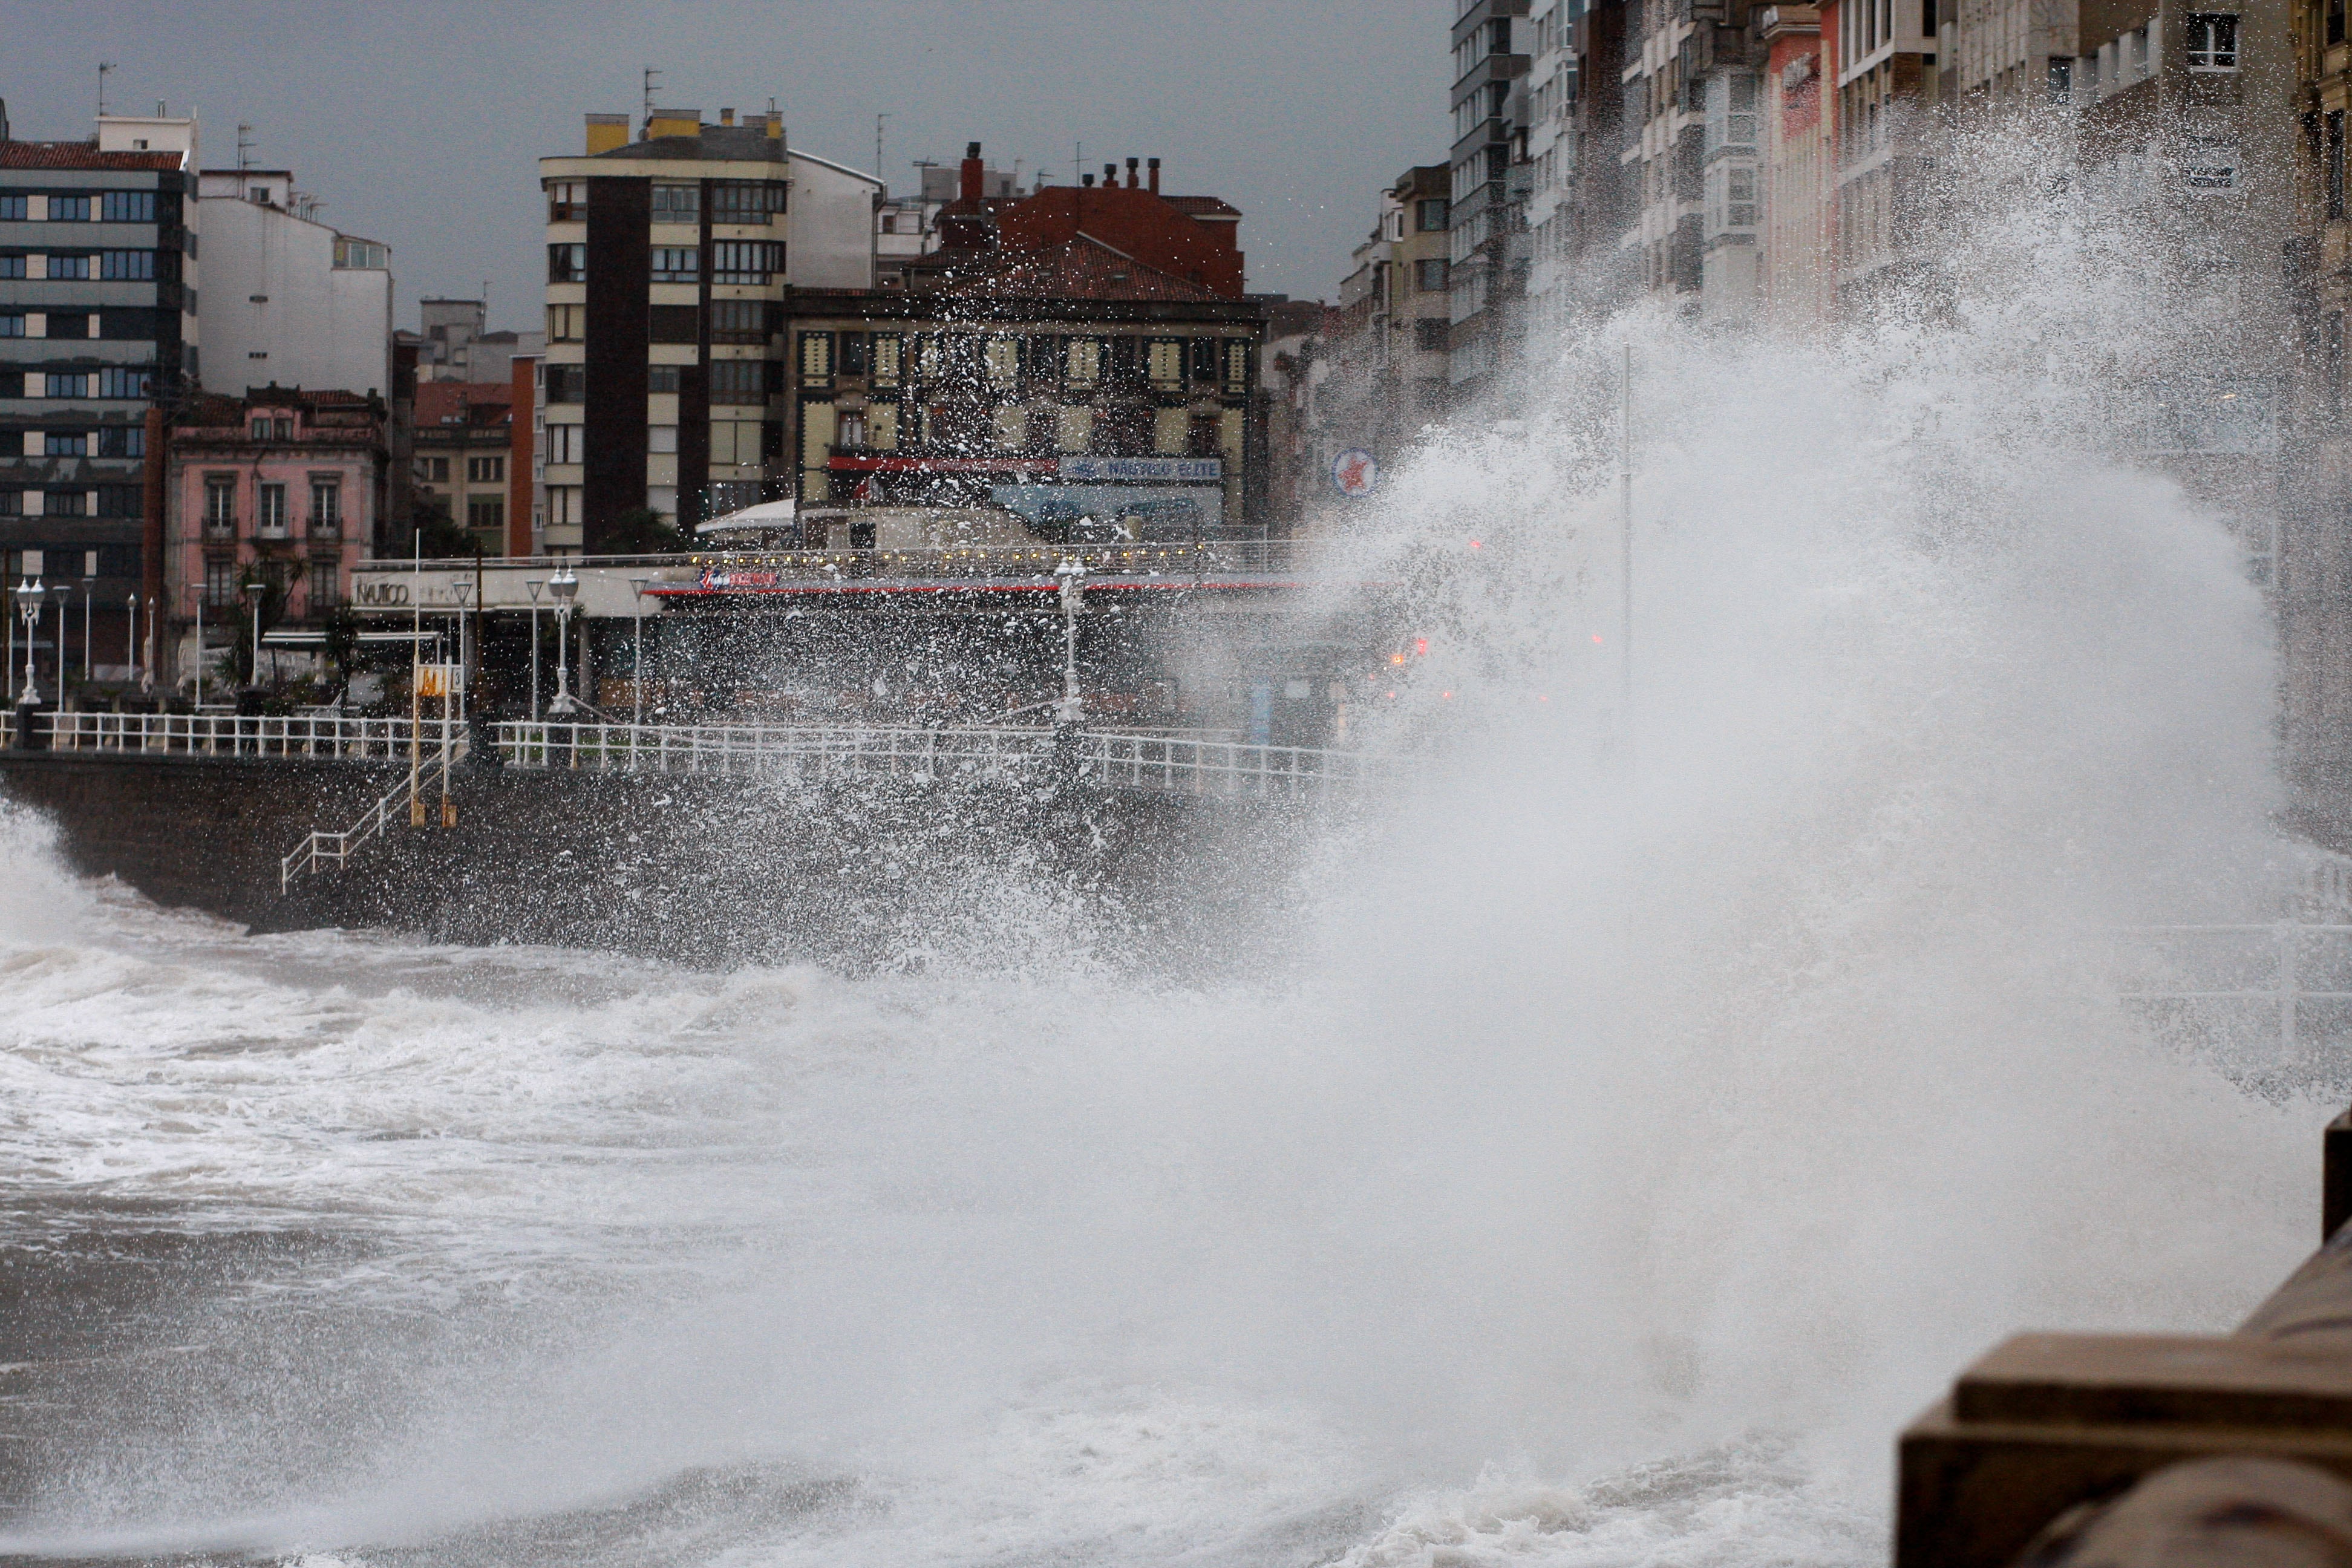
x=972, y=149
x=1087, y=181
x=1153, y=164
x=1132, y=165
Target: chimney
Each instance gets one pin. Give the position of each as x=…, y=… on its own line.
x=1132, y=165
x=1154, y=165
x=606, y=132
x=1087, y=181
x=726, y=117
x=1110, y=176
x=969, y=186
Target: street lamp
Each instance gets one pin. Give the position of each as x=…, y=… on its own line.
x=637, y=645
x=89, y=586
x=28, y=604
x=1071, y=709
x=563, y=587
x=534, y=584
x=465, y=593
x=131, y=640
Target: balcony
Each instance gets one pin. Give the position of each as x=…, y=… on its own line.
x=220, y=525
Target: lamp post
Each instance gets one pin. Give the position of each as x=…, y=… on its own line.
x=28, y=606
x=197, y=593
x=1071, y=709
x=88, y=587
x=147, y=672
x=563, y=587
x=637, y=645
x=131, y=640
x=534, y=584
x=465, y=594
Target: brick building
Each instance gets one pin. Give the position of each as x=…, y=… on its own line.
x=462, y=457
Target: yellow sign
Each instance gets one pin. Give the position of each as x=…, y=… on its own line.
x=435, y=680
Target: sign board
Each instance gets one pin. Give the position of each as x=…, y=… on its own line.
x=436, y=679
x=1145, y=471
x=1354, y=473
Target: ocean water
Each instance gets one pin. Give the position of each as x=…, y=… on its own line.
x=1670, y=1092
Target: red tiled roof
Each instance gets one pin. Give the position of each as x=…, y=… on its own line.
x=1203, y=207
x=78, y=155
x=472, y=402
x=1080, y=269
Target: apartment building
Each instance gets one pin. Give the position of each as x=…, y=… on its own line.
x=1553, y=150
x=1487, y=245
x=462, y=446
x=97, y=320
x=669, y=258
x=1384, y=348
x=291, y=300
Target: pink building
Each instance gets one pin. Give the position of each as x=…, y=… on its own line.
x=271, y=497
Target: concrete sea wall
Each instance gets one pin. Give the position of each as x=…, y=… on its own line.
x=700, y=869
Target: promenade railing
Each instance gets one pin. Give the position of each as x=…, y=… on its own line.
x=326, y=847
x=230, y=735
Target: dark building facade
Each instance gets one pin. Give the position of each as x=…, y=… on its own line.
x=96, y=311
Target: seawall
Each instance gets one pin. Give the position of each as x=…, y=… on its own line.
x=702, y=869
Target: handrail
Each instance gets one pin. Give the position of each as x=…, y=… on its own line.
x=324, y=844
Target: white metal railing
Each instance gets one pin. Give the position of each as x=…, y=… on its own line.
x=325, y=846
x=228, y=735
x=1161, y=763
x=805, y=749
x=2288, y=975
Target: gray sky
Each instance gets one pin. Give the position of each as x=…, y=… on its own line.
x=419, y=123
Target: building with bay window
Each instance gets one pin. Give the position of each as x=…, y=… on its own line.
x=668, y=262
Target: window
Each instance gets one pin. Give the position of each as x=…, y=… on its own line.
x=270, y=516
x=567, y=263
x=567, y=384
x=658, y=378
x=563, y=443
x=12, y=325
x=220, y=583
x=741, y=380
x=73, y=326
x=321, y=586
x=126, y=206
x=11, y=266
x=123, y=441
x=1237, y=363
x=1002, y=356
x=2213, y=41
x=888, y=349
x=119, y=500
x=2335, y=21
x=565, y=323
x=12, y=209
x=69, y=267
x=65, y=383
x=1163, y=363
x=486, y=470
x=220, y=506
x=562, y=506
x=1741, y=193
x=745, y=201
x=567, y=201
x=816, y=356
x=65, y=444
x=484, y=512
x=125, y=381
x=927, y=357
x=64, y=503
x=676, y=264
x=852, y=348
x=1082, y=362
x=68, y=209
x=738, y=320
x=1428, y=335
x=364, y=255
x=1204, y=359
x=326, y=507
x=1429, y=215
x=744, y=260
x=1429, y=277
x=678, y=204
x=259, y=430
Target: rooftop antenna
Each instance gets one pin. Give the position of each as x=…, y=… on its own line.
x=653, y=80
x=103, y=66
x=878, y=145
x=244, y=147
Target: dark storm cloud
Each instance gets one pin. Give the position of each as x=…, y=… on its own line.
x=419, y=123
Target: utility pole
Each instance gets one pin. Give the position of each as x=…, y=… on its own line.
x=1625, y=521
x=103, y=66
x=878, y=144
